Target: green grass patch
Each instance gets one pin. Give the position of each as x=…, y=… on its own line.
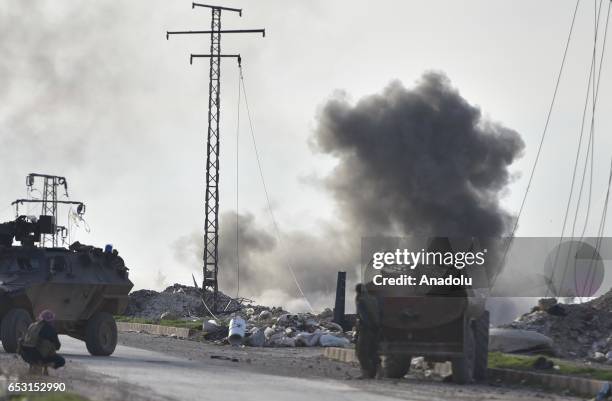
x=523, y=362
x=192, y=325
x=55, y=396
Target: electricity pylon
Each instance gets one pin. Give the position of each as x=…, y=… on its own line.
x=211, y=225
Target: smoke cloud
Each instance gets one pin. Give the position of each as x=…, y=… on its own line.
x=410, y=161
x=264, y=274
x=50, y=78
x=420, y=161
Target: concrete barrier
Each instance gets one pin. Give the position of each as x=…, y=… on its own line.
x=179, y=332
x=341, y=354
x=576, y=385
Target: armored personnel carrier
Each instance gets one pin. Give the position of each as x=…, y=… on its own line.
x=83, y=285
x=440, y=324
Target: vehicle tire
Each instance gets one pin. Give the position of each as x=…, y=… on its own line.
x=481, y=345
x=367, y=351
x=14, y=325
x=396, y=366
x=463, y=367
x=101, y=334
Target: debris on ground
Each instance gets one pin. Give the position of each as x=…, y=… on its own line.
x=237, y=329
x=210, y=326
x=295, y=330
x=578, y=331
x=543, y=363
x=168, y=316
x=179, y=301
x=264, y=326
x=224, y=358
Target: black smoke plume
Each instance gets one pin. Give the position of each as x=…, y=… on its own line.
x=410, y=161
x=418, y=161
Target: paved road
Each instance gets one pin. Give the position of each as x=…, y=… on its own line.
x=189, y=380
x=176, y=378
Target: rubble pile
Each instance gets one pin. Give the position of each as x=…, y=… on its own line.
x=577, y=330
x=265, y=326
x=176, y=302
x=294, y=330
x=224, y=302
x=181, y=302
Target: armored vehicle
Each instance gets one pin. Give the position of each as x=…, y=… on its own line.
x=84, y=286
x=440, y=324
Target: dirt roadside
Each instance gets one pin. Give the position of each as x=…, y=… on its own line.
x=309, y=363
x=77, y=379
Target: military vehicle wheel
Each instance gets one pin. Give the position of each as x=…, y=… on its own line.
x=366, y=349
x=101, y=334
x=463, y=368
x=14, y=325
x=481, y=345
x=396, y=366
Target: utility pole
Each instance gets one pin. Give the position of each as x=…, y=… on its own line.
x=211, y=226
x=49, y=206
x=49, y=201
x=340, y=299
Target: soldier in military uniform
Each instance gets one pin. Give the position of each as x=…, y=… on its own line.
x=40, y=344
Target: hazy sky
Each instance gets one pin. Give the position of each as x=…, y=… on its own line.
x=93, y=91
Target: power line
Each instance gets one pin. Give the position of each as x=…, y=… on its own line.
x=265, y=188
x=590, y=276
x=238, y=190
x=590, y=156
x=545, y=131
x=543, y=137
x=594, y=79
x=590, y=145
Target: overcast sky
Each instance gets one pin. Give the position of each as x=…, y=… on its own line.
x=93, y=91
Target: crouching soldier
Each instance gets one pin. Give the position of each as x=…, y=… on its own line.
x=40, y=344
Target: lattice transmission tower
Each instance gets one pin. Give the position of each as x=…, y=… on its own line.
x=211, y=226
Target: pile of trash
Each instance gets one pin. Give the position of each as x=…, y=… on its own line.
x=263, y=329
x=262, y=325
x=577, y=330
